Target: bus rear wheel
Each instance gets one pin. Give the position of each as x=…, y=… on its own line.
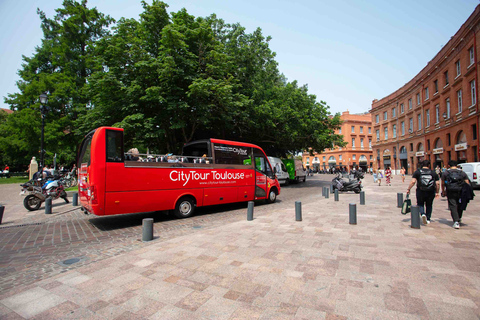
x=184, y=208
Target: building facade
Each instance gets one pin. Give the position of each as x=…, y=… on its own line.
x=435, y=115
x=357, y=133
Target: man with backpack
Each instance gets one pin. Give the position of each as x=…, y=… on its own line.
x=452, y=183
x=428, y=188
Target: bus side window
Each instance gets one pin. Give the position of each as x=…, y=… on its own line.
x=115, y=146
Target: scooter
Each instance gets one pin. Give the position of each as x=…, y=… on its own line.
x=52, y=188
x=354, y=185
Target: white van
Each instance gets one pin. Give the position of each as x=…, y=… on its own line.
x=282, y=174
x=472, y=169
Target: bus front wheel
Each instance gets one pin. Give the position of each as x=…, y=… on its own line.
x=272, y=196
x=184, y=208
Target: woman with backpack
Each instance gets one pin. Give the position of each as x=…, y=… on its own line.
x=428, y=188
x=452, y=184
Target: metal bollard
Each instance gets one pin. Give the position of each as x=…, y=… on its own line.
x=298, y=211
x=75, y=199
x=336, y=194
x=352, y=211
x=415, y=214
x=250, y=210
x=362, y=197
x=399, y=200
x=323, y=191
x=147, y=229
x=331, y=188
x=2, y=209
x=48, y=206
x=327, y=192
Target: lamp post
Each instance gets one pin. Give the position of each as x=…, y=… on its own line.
x=43, y=111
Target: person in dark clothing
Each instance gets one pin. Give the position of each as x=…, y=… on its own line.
x=466, y=195
x=428, y=188
x=453, y=180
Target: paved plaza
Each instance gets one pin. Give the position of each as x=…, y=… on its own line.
x=274, y=267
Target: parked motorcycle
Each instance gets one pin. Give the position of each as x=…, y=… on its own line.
x=39, y=190
x=354, y=185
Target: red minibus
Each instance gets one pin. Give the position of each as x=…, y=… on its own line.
x=209, y=172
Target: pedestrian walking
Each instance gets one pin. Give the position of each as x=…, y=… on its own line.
x=402, y=172
x=375, y=176
x=452, y=183
x=388, y=176
x=428, y=188
x=379, y=177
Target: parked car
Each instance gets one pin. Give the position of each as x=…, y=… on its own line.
x=295, y=170
x=281, y=170
x=472, y=169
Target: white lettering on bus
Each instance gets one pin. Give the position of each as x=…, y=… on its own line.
x=195, y=176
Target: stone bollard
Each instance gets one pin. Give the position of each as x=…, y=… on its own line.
x=399, y=200
x=327, y=192
x=250, y=210
x=336, y=194
x=2, y=209
x=75, y=199
x=48, y=206
x=362, y=197
x=415, y=214
x=298, y=211
x=147, y=229
x=352, y=211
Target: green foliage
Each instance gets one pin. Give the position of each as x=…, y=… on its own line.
x=167, y=79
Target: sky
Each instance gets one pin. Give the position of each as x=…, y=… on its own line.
x=348, y=53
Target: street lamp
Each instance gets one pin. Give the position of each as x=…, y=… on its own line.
x=43, y=111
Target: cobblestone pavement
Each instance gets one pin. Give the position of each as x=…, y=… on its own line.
x=275, y=267
x=33, y=245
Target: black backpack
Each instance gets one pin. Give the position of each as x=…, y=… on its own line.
x=454, y=180
x=427, y=181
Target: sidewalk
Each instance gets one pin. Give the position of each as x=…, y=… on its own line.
x=277, y=268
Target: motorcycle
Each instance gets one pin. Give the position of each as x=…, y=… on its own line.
x=354, y=185
x=40, y=190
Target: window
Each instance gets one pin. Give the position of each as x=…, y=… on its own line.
x=378, y=134
x=473, y=92
x=323, y=158
x=361, y=129
x=447, y=102
x=472, y=57
x=377, y=118
x=385, y=115
x=428, y=144
x=353, y=129
x=411, y=125
x=411, y=146
x=361, y=143
x=418, y=99
x=448, y=139
x=409, y=103
x=459, y=100
x=370, y=143
x=308, y=161
x=353, y=142
x=457, y=67
x=354, y=157
x=426, y=93
x=115, y=146
x=394, y=130
x=402, y=108
x=340, y=157
x=386, y=133
x=369, y=130
x=427, y=115
x=437, y=113
x=229, y=154
x=419, y=118
x=403, y=127
x=340, y=131
x=474, y=131
x=393, y=113
x=371, y=157
x=445, y=75
x=435, y=83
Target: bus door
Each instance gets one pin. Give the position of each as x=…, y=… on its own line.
x=262, y=171
x=83, y=165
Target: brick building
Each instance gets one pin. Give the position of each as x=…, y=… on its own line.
x=435, y=115
x=357, y=132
